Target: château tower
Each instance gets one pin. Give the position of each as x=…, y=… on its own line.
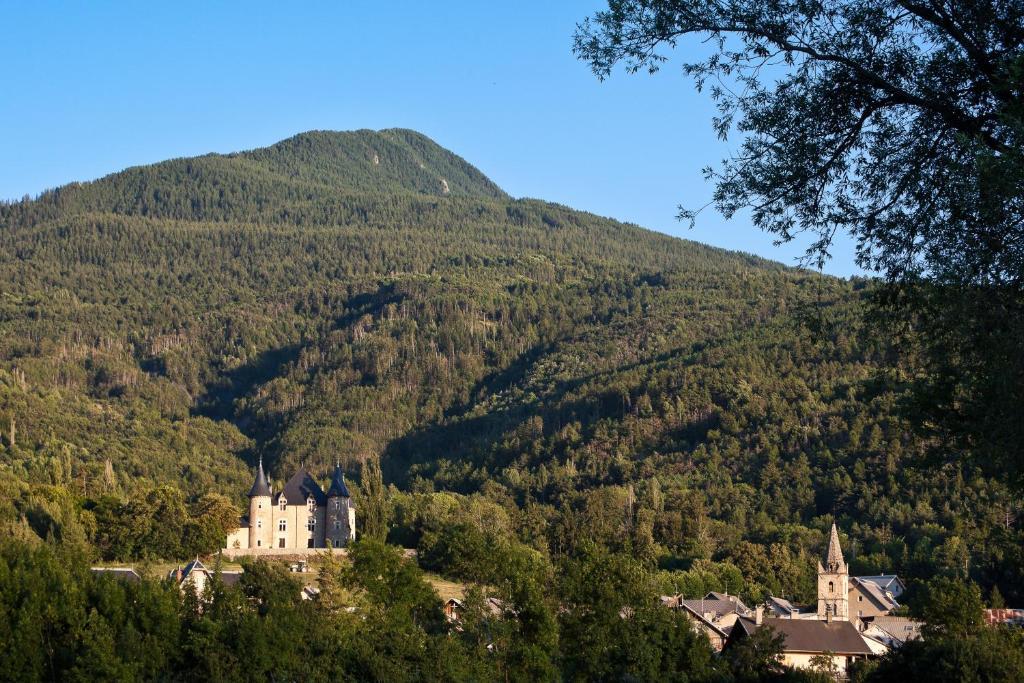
x=260, y=512
x=834, y=583
x=341, y=514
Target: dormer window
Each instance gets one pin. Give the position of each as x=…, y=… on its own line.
x=282, y=503
x=311, y=505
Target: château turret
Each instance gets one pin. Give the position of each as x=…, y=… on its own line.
x=341, y=514
x=260, y=532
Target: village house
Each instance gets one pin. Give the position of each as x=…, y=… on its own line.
x=195, y=576
x=807, y=641
x=297, y=518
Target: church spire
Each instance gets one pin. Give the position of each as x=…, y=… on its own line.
x=834, y=558
x=260, y=487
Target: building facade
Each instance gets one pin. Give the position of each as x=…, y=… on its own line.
x=298, y=517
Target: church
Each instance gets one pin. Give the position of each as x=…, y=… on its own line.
x=298, y=517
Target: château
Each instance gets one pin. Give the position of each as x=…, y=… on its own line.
x=298, y=517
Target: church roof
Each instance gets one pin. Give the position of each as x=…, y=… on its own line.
x=338, y=487
x=300, y=488
x=260, y=487
x=834, y=557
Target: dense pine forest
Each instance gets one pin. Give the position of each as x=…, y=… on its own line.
x=518, y=390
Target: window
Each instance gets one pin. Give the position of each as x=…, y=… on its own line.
x=259, y=505
x=259, y=543
x=282, y=502
x=860, y=598
x=282, y=525
x=337, y=524
x=309, y=543
x=311, y=524
x=311, y=504
x=337, y=504
x=280, y=543
x=259, y=523
x=831, y=587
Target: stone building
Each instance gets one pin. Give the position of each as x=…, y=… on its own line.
x=298, y=517
x=833, y=583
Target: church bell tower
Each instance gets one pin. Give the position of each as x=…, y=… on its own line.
x=834, y=583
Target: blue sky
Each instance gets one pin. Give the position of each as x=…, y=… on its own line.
x=91, y=88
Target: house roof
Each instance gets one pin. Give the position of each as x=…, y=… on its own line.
x=781, y=605
x=887, y=582
x=694, y=614
x=717, y=607
x=260, y=487
x=230, y=578
x=900, y=628
x=811, y=635
x=740, y=607
x=876, y=593
x=194, y=565
x=121, y=573
x=337, y=487
x=300, y=488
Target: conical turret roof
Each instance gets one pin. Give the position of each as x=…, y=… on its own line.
x=834, y=557
x=260, y=487
x=338, y=487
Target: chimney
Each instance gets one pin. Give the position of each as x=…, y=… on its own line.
x=759, y=615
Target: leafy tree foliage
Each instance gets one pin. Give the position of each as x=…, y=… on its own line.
x=899, y=122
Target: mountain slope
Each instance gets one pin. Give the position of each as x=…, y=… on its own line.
x=170, y=323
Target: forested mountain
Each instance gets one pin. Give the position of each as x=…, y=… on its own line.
x=371, y=297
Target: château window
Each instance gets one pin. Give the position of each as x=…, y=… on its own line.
x=282, y=525
x=282, y=502
x=337, y=505
x=337, y=524
x=311, y=504
x=259, y=505
x=311, y=524
x=831, y=587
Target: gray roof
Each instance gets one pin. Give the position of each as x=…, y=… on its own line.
x=260, y=487
x=887, y=582
x=810, y=635
x=300, y=488
x=338, y=487
x=122, y=573
x=717, y=607
x=713, y=595
x=873, y=591
x=781, y=605
x=230, y=578
x=900, y=628
x=702, y=619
